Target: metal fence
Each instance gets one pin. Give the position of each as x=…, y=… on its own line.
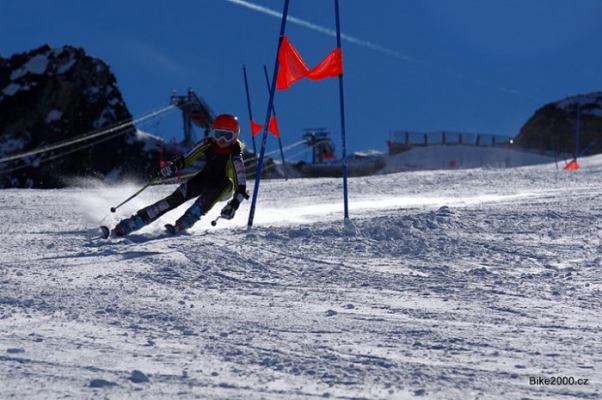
x=404, y=140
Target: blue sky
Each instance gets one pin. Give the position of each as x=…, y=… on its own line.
x=463, y=65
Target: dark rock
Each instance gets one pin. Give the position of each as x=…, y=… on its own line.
x=51, y=96
x=552, y=128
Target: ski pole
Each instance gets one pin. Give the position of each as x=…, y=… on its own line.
x=214, y=222
x=113, y=209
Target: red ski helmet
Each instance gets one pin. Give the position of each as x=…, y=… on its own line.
x=225, y=129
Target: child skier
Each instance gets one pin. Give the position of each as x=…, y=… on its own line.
x=223, y=175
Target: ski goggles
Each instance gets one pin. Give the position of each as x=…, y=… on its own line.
x=225, y=135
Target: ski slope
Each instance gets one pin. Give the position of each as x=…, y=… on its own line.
x=444, y=284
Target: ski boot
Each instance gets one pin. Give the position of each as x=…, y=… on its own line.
x=186, y=221
x=128, y=225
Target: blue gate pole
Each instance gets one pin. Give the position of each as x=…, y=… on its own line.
x=343, y=145
x=267, y=120
x=577, y=129
x=244, y=71
x=267, y=81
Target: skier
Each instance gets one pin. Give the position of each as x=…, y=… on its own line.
x=222, y=176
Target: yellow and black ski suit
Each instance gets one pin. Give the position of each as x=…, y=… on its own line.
x=222, y=175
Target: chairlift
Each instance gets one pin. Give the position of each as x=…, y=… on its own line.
x=323, y=149
x=195, y=111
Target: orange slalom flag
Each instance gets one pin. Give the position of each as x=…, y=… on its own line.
x=273, y=126
x=330, y=67
x=572, y=166
x=255, y=128
x=293, y=68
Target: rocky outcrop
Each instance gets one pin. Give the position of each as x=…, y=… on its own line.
x=63, y=116
x=553, y=127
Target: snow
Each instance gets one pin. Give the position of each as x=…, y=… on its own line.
x=149, y=140
x=64, y=68
x=106, y=117
x=36, y=65
x=461, y=283
x=54, y=115
x=11, y=89
x=591, y=103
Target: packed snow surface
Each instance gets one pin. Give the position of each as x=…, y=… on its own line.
x=455, y=284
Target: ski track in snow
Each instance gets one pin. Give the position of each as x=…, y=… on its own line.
x=453, y=284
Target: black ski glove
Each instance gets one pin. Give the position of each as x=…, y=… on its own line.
x=229, y=210
x=167, y=170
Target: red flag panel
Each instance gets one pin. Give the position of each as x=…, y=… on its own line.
x=330, y=67
x=255, y=128
x=292, y=67
x=572, y=166
x=273, y=126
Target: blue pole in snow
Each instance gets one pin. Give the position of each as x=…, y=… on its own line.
x=577, y=129
x=244, y=72
x=582, y=152
x=267, y=119
x=343, y=145
x=267, y=81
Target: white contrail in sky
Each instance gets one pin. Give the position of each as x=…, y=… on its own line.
x=324, y=30
x=371, y=45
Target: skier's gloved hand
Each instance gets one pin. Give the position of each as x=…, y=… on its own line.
x=229, y=210
x=168, y=169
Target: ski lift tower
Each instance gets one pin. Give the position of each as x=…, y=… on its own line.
x=195, y=111
x=321, y=143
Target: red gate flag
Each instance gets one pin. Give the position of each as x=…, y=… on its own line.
x=572, y=166
x=272, y=127
x=255, y=128
x=293, y=68
x=330, y=67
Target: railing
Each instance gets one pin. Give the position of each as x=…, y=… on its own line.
x=404, y=140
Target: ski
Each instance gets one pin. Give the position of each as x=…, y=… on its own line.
x=170, y=228
x=104, y=231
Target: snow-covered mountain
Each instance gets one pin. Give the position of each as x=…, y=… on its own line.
x=449, y=284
